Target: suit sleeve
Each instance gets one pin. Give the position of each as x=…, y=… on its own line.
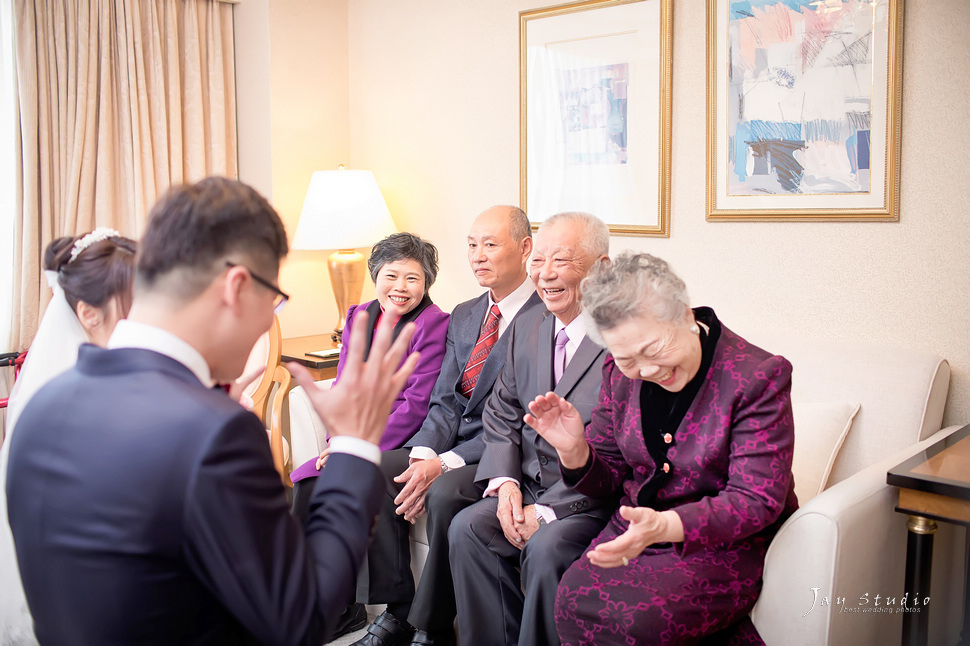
x=471, y=450
x=283, y=583
x=440, y=428
x=759, y=463
x=502, y=424
x=411, y=407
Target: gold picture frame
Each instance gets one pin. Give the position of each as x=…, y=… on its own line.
x=804, y=110
x=595, y=112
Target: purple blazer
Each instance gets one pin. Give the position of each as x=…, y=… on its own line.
x=730, y=457
x=411, y=406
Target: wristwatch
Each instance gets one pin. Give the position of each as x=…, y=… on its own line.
x=444, y=467
x=540, y=519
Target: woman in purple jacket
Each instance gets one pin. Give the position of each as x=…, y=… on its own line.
x=693, y=432
x=403, y=268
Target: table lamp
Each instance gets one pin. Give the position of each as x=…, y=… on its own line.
x=343, y=210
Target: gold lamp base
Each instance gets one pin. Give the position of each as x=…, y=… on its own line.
x=347, y=280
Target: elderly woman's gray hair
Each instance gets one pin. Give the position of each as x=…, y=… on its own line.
x=405, y=246
x=632, y=285
x=596, y=235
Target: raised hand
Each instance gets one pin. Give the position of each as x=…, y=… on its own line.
x=647, y=526
x=359, y=404
x=560, y=424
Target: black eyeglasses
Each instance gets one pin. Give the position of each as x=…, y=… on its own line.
x=281, y=296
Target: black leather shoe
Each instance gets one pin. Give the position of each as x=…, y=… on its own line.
x=387, y=630
x=422, y=638
x=353, y=618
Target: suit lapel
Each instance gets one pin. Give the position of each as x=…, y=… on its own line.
x=586, y=354
x=544, y=375
x=466, y=333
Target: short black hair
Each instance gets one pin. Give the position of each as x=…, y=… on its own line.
x=405, y=246
x=197, y=226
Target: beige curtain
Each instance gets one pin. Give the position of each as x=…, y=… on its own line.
x=118, y=100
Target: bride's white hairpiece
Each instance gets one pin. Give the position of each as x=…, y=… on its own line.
x=99, y=234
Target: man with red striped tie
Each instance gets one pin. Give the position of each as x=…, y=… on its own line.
x=434, y=474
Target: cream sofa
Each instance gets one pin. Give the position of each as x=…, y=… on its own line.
x=859, y=410
x=847, y=540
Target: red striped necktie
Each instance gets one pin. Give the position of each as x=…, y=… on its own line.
x=486, y=341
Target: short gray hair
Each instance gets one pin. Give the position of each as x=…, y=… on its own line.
x=632, y=285
x=405, y=246
x=596, y=235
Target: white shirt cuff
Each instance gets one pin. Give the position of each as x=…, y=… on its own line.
x=546, y=512
x=356, y=446
x=452, y=460
x=495, y=483
x=422, y=453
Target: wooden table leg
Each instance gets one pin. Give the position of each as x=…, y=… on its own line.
x=965, y=633
x=919, y=565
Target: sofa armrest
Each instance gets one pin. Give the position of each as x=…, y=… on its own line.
x=844, y=543
x=308, y=434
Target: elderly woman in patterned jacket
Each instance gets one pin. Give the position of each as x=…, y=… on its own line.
x=693, y=432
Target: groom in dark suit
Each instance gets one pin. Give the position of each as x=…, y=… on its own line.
x=144, y=504
x=507, y=558
x=435, y=473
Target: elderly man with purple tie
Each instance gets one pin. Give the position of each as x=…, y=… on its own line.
x=509, y=549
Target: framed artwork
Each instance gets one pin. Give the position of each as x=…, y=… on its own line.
x=804, y=102
x=595, y=112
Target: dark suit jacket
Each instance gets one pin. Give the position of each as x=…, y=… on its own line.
x=454, y=422
x=512, y=448
x=145, y=510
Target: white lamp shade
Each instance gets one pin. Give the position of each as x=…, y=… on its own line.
x=343, y=209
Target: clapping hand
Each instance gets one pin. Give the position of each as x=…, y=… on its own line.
x=359, y=404
x=647, y=526
x=561, y=425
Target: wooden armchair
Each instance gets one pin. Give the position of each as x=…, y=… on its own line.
x=271, y=396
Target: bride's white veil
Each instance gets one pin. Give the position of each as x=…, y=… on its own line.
x=53, y=351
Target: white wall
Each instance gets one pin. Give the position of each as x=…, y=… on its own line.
x=291, y=80
x=431, y=88
x=434, y=113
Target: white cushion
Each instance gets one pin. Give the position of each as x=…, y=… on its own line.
x=286, y=449
x=820, y=431
x=308, y=433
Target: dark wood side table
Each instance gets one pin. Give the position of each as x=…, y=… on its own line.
x=296, y=348
x=933, y=485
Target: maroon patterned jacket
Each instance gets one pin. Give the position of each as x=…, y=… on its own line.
x=730, y=459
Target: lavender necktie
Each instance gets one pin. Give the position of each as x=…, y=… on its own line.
x=559, y=361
